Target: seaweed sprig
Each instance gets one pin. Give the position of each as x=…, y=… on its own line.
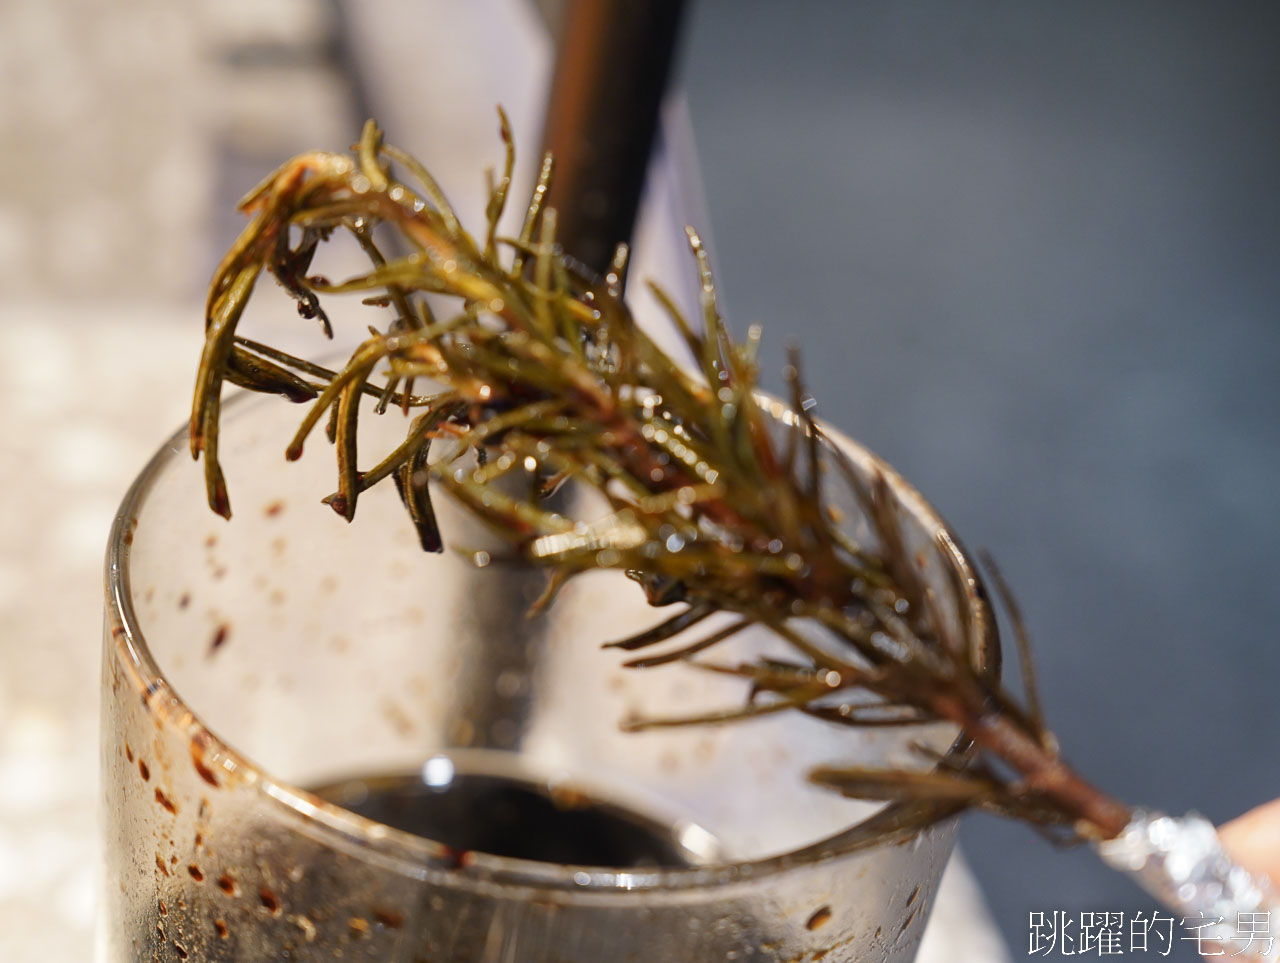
x=719, y=501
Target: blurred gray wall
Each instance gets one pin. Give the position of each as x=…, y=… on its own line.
x=1032, y=254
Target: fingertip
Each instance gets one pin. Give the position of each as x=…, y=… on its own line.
x=1253, y=839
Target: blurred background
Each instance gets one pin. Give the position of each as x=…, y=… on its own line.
x=1031, y=252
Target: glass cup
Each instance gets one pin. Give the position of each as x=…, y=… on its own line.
x=320, y=742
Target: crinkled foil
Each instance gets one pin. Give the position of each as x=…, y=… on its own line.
x=1181, y=862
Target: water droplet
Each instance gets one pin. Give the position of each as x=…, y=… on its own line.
x=509, y=683
x=437, y=772
x=674, y=543
x=530, y=463
x=481, y=559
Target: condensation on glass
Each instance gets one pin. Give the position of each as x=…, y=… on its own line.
x=288, y=649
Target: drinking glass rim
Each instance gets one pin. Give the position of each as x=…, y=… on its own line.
x=418, y=856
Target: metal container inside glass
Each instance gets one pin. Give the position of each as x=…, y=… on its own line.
x=320, y=742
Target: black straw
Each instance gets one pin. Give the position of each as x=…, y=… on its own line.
x=602, y=117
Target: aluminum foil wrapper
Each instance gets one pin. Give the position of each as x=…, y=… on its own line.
x=1181, y=862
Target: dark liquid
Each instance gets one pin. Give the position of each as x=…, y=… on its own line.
x=516, y=818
